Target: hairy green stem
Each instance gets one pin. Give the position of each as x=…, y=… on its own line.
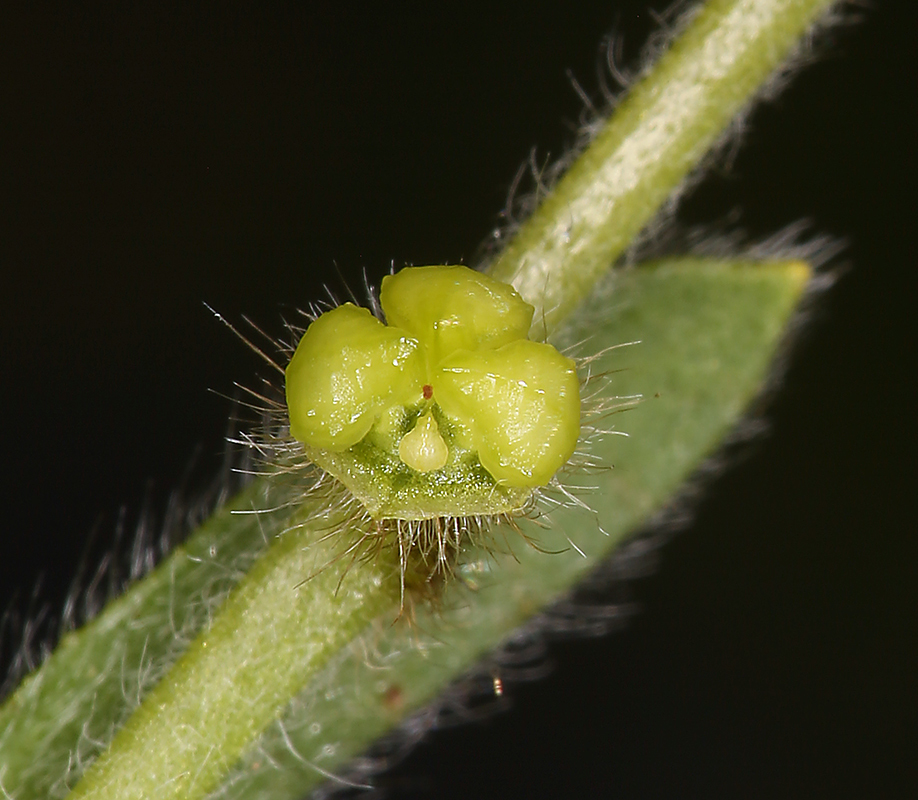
x=656, y=137
x=270, y=642
x=235, y=678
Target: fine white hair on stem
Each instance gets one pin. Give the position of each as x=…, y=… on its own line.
x=536, y=177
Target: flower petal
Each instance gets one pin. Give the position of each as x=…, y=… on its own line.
x=347, y=368
x=454, y=308
x=522, y=403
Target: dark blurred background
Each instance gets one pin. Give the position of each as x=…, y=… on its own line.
x=155, y=156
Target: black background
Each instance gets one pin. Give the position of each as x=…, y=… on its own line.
x=155, y=156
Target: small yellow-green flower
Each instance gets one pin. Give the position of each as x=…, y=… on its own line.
x=449, y=410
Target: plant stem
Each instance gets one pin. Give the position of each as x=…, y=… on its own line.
x=667, y=123
x=234, y=678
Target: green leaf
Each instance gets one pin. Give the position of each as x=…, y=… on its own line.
x=708, y=332
x=67, y=710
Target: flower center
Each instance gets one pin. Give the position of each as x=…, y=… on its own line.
x=422, y=448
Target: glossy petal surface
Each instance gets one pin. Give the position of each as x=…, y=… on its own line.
x=454, y=308
x=522, y=402
x=346, y=370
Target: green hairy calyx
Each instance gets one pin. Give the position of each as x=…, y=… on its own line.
x=447, y=410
